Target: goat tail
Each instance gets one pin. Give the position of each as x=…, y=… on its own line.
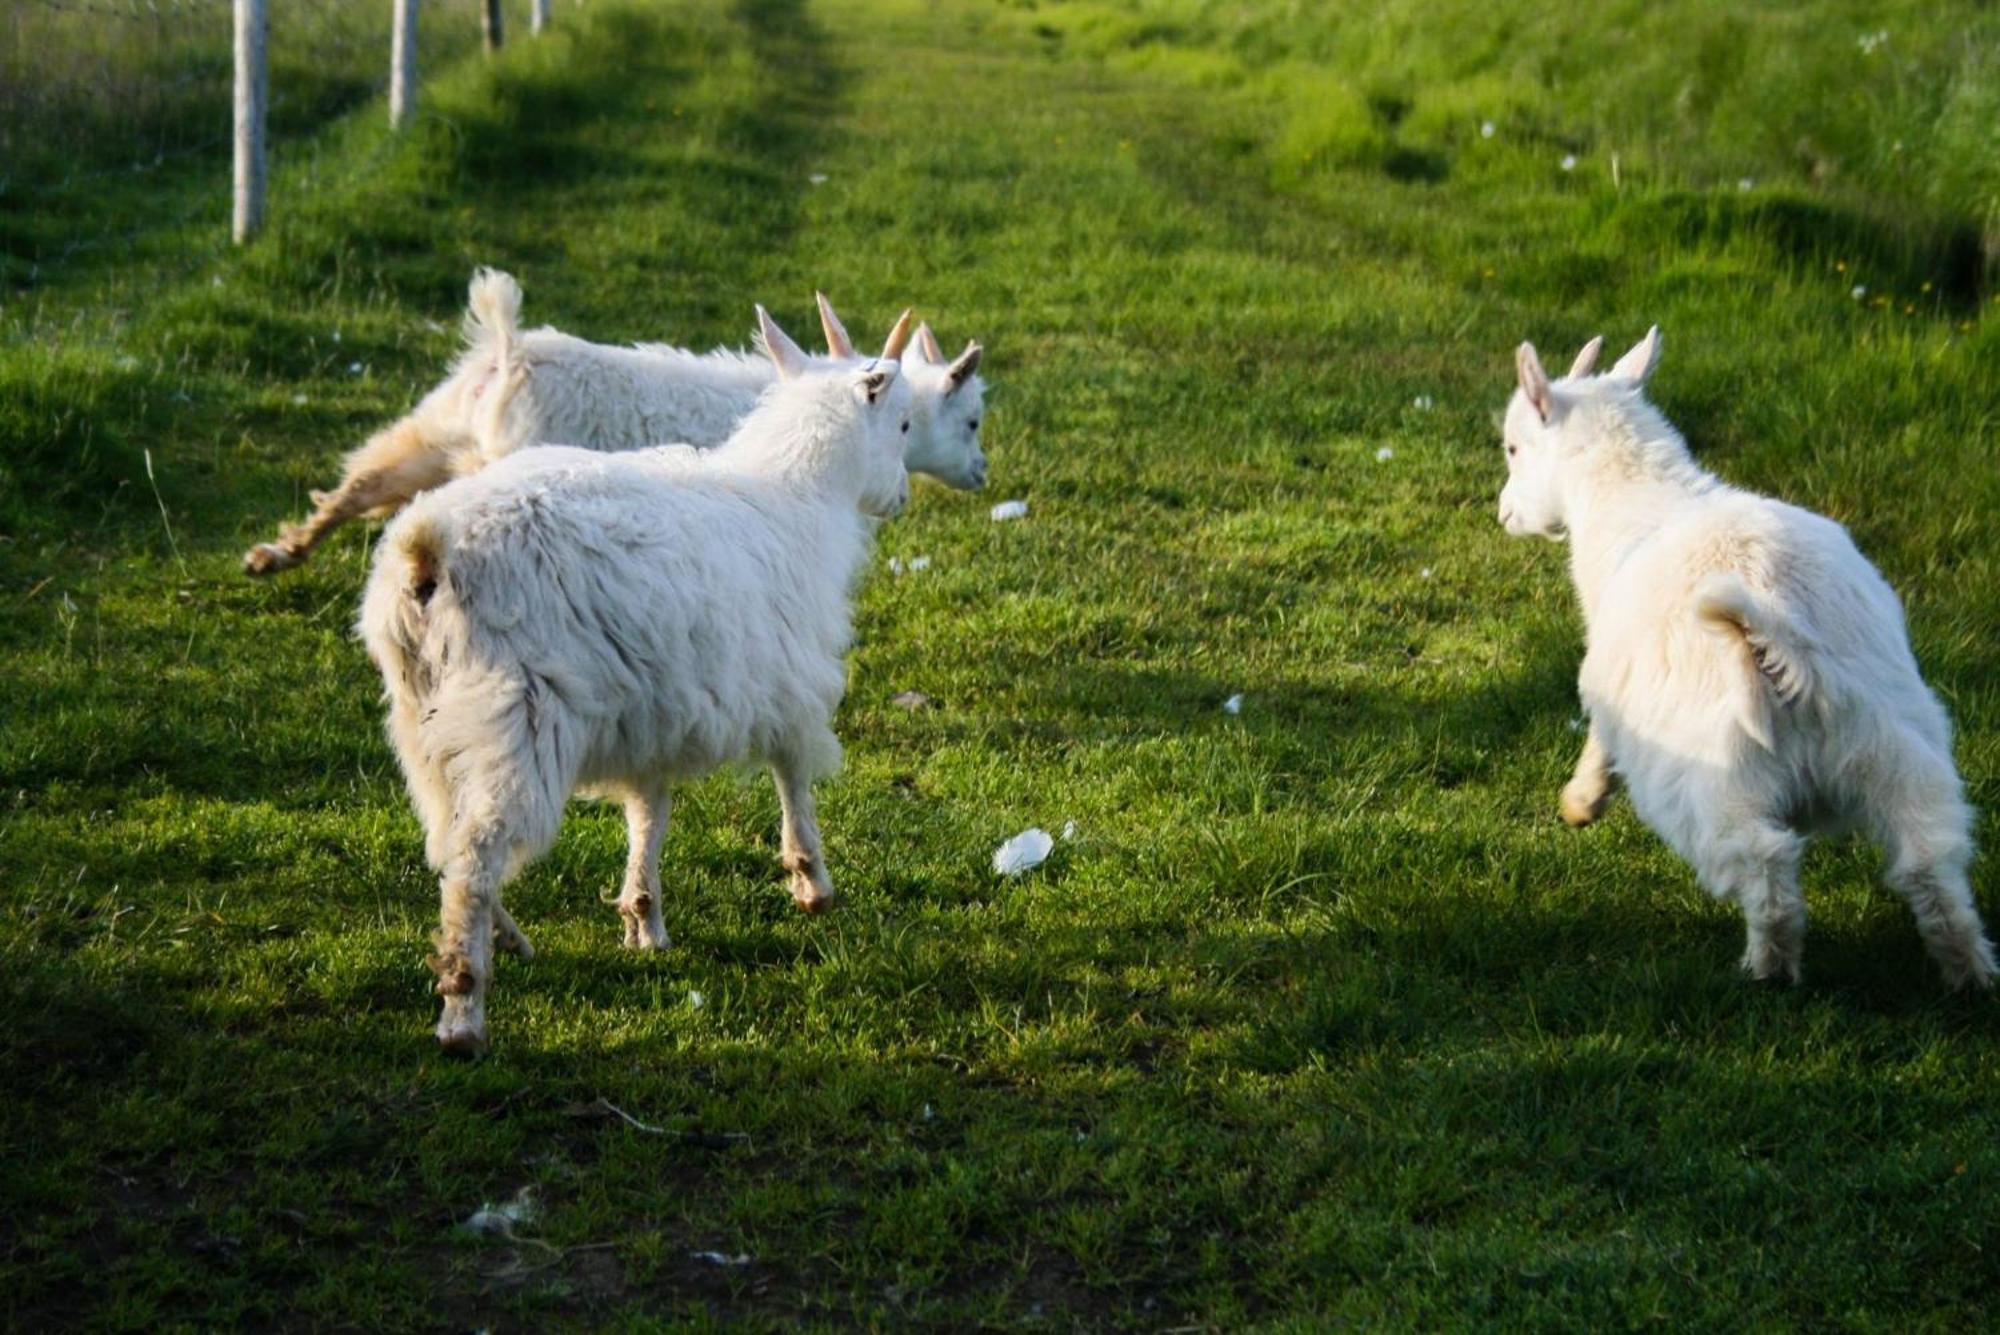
x=493, y=312
x=395, y=610
x=1777, y=667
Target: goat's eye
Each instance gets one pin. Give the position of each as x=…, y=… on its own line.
x=973, y=425
x=1512, y=450
x=906, y=427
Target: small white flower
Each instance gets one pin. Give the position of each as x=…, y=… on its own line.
x=919, y=563
x=1569, y=162
x=354, y=368
x=696, y=1000
x=895, y=565
x=336, y=336
x=1745, y=183
x=1422, y=403
x=1860, y=291
x=1384, y=454
x=1069, y=829
x=817, y=178
x=298, y=399
x=1233, y=705
x=1486, y=130
x=1010, y=510
x=1425, y=573
x=929, y=1114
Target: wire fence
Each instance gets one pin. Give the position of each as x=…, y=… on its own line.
x=99, y=98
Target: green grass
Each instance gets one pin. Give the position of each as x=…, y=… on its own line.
x=1319, y=1017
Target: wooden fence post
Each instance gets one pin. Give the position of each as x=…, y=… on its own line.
x=403, y=65
x=539, y=16
x=251, y=87
x=489, y=25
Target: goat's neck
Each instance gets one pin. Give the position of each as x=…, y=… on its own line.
x=1616, y=502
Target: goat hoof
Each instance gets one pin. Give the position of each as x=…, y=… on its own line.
x=267, y=559
x=1578, y=809
x=810, y=897
x=466, y=1042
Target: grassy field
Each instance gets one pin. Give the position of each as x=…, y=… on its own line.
x=1320, y=1015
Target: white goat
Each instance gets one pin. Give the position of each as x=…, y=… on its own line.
x=598, y=397
x=1747, y=671
x=570, y=620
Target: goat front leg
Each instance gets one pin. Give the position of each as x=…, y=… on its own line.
x=384, y=474
x=646, y=816
x=812, y=888
x=508, y=936
x=1588, y=791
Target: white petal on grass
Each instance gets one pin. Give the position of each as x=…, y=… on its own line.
x=1486, y=130
x=895, y=565
x=298, y=398
x=1010, y=510
x=1069, y=829
x=1422, y=403
x=722, y=1258
x=919, y=563
x=910, y=700
x=1384, y=455
x=696, y=1000
x=1024, y=852
x=1746, y=184
x=1569, y=162
x=1233, y=705
x=502, y=1220
x=1425, y=573
x=817, y=178
x=354, y=368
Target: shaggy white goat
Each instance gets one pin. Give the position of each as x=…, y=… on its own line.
x=556, y=388
x=569, y=620
x=1747, y=671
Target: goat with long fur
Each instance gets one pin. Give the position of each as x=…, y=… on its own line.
x=1747, y=672
x=568, y=620
x=559, y=389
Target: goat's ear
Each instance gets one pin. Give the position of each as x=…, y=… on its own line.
x=784, y=354
x=899, y=337
x=1586, y=361
x=1639, y=364
x=837, y=343
x=927, y=346
x=962, y=369
x=874, y=379
x=1534, y=380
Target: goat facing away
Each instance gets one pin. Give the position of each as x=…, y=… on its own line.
x=1747, y=671
x=568, y=620
x=595, y=396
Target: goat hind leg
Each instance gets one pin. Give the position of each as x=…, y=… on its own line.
x=384, y=474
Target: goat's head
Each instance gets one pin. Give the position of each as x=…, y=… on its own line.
x=1540, y=433
x=866, y=405
x=948, y=400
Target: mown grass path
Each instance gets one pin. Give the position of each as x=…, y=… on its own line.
x=1320, y=1015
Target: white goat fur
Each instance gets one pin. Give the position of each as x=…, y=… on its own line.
x=563, y=390
x=1747, y=671
x=568, y=620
